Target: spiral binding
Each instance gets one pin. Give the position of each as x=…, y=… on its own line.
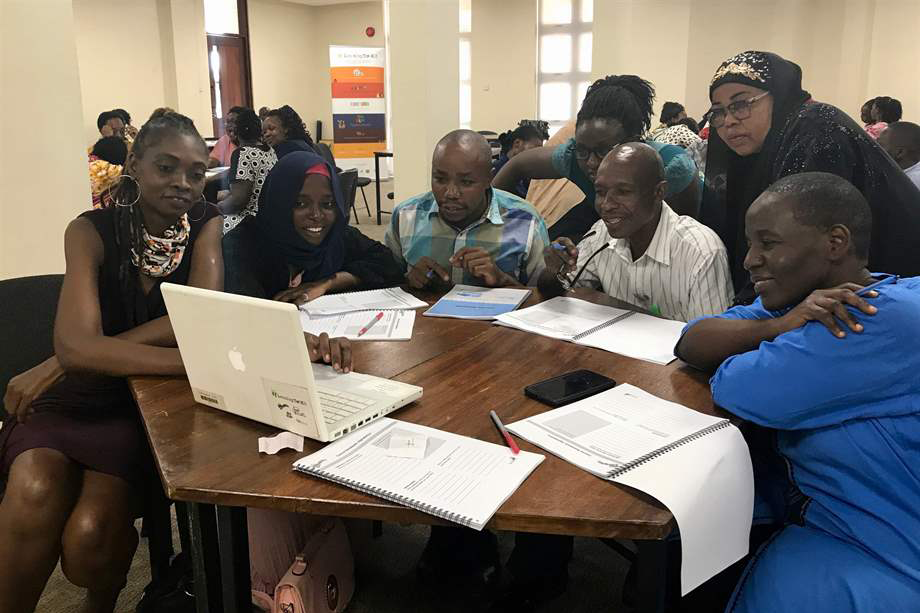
x=613, y=474
x=386, y=495
x=601, y=326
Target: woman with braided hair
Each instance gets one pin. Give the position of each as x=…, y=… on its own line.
x=617, y=109
x=73, y=455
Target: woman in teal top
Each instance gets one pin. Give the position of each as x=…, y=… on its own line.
x=617, y=109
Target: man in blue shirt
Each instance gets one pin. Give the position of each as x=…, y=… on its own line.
x=826, y=358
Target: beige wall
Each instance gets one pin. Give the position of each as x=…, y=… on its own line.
x=849, y=50
x=503, y=45
x=340, y=24
x=140, y=55
x=118, y=69
x=424, y=90
x=284, y=66
x=289, y=44
x=45, y=182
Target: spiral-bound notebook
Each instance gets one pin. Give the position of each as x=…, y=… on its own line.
x=628, y=333
x=695, y=464
x=453, y=477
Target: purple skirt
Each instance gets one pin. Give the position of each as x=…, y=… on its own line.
x=100, y=431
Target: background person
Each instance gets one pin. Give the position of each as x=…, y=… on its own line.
x=250, y=163
x=227, y=143
x=520, y=139
x=901, y=140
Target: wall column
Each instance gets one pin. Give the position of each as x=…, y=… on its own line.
x=423, y=44
x=43, y=167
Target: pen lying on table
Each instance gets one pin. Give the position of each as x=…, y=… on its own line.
x=504, y=433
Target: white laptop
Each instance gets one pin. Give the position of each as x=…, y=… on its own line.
x=248, y=356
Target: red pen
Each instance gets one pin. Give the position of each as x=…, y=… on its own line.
x=370, y=324
x=505, y=434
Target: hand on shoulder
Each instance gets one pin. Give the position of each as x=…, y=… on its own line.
x=829, y=306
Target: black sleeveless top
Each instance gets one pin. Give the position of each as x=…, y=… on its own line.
x=91, y=392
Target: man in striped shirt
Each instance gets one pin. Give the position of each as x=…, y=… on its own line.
x=640, y=251
x=463, y=230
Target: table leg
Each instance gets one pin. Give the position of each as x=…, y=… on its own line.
x=377, y=184
x=652, y=576
x=205, y=557
x=233, y=538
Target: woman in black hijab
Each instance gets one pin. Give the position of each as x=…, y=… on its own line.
x=299, y=245
x=765, y=127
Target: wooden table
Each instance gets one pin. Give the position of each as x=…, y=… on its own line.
x=208, y=457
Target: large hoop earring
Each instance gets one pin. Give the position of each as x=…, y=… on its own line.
x=204, y=209
x=116, y=201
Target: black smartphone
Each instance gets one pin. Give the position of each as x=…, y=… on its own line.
x=569, y=387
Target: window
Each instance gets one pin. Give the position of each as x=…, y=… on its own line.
x=220, y=17
x=466, y=64
x=564, y=61
x=227, y=30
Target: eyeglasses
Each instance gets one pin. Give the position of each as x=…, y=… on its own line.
x=740, y=110
x=583, y=153
x=564, y=280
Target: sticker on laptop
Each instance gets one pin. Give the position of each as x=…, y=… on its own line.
x=291, y=401
x=209, y=398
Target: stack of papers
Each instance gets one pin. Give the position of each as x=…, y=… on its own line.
x=393, y=326
x=391, y=298
x=470, y=302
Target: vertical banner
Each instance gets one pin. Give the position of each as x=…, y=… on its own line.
x=358, y=106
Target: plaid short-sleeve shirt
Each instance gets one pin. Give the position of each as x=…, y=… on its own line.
x=510, y=230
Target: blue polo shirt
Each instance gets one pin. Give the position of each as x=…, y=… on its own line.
x=846, y=413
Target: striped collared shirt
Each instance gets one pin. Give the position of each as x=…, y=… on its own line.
x=683, y=273
x=510, y=230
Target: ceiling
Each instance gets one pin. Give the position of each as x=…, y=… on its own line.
x=325, y=2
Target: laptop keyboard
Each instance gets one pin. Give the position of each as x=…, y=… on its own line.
x=338, y=405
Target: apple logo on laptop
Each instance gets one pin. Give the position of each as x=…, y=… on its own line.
x=236, y=359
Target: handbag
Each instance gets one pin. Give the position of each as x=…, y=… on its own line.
x=322, y=577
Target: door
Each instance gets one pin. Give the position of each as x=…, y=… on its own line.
x=229, y=75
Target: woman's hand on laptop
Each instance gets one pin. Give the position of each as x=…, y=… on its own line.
x=335, y=351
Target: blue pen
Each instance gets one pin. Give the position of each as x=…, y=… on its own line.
x=871, y=287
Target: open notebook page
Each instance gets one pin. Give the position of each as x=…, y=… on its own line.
x=393, y=326
x=706, y=483
x=609, y=430
x=561, y=317
x=639, y=336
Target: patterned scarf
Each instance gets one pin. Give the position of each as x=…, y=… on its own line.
x=162, y=256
